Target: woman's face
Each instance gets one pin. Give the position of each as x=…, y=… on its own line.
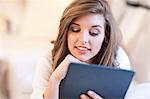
x=85, y=36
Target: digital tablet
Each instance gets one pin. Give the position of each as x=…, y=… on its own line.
x=108, y=82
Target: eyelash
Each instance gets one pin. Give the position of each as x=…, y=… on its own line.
x=94, y=34
x=75, y=30
x=91, y=33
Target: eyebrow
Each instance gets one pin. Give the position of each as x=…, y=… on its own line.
x=97, y=26
x=92, y=26
x=75, y=24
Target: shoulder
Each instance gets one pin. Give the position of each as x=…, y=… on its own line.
x=123, y=59
x=43, y=69
x=42, y=75
x=45, y=63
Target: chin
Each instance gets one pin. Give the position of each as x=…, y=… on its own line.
x=84, y=60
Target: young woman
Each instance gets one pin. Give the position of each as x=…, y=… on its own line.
x=87, y=34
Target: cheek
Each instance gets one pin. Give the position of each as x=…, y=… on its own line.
x=97, y=44
x=68, y=41
x=71, y=40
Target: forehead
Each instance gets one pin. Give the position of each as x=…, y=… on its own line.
x=94, y=19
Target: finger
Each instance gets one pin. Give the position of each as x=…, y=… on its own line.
x=68, y=59
x=61, y=70
x=94, y=95
x=83, y=96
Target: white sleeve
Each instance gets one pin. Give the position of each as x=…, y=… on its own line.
x=123, y=59
x=42, y=75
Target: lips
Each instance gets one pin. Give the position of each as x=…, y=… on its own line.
x=82, y=49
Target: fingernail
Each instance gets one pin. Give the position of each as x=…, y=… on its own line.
x=82, y=96
x=90, y=92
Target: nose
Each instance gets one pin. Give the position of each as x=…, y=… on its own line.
x=84, y=36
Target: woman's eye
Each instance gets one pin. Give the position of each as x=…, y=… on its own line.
x=75, y=29
x=94, y=32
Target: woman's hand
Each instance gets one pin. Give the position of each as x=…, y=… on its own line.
x=61, y=70
x=91, y=95
x=52, y=92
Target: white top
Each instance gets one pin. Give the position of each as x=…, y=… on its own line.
x=44, y=70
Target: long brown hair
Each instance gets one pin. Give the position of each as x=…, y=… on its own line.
x=107, y=54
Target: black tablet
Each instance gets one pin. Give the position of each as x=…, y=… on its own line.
x=108, y=82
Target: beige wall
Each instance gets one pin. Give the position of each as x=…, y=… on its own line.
x=13, y=11
x=134, y=23
x=42, y=18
